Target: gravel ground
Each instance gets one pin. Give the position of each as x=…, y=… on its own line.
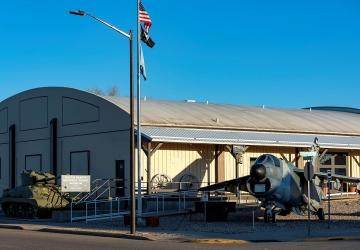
x=345, y=216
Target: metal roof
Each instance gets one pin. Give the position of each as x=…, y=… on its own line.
x=340, y=109
x=210, y=136
x=232, y=117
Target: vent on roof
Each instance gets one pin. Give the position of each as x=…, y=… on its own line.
x=217, y=120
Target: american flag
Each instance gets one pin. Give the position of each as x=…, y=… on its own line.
x=144, y=17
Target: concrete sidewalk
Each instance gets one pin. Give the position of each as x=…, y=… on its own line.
x=75, y=230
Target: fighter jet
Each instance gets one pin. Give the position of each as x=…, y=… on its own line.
x=281, y=187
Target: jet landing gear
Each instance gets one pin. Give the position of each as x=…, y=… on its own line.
x=269, y=215
x=320, y=214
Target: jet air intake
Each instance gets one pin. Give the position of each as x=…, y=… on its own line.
x=258, y=172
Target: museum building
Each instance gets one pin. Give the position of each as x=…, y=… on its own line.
x=69, y=131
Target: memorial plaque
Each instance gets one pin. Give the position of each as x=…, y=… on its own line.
x=75, y=183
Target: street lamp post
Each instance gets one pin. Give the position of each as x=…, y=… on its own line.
x=132, y=133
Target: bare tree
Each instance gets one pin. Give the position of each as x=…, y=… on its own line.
x=114, y=91
x=96, y=91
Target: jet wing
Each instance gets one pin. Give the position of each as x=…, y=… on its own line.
x=230, y=185
x=323, y=176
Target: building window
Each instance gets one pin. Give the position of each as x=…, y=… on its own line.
x=252, y=161
x=340, y=171
x=340, y=159
x=33, y=162
x=327, y=159
x=324, y=170
x=334, y=161
x=80, y=162
x=0, y=169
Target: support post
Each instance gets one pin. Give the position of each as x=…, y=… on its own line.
x=237, y=151
x=309, y=199
x=132, y=142
x=216, y=163
x=329, y=186
x=149, y=154
x=138, y=118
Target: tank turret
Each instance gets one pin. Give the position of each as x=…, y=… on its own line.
x=36, y=197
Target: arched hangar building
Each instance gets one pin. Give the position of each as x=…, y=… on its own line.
x=68, y=131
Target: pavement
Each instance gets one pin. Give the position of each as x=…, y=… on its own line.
x=258, y=234
x=33, y=240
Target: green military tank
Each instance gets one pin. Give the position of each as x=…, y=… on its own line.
x=36, y=197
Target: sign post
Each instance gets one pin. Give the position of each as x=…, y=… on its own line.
x=309, y=175
x=328, y=193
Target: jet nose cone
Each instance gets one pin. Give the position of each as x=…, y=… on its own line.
x=258, y=172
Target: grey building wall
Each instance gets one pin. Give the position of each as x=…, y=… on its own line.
x=92, y=133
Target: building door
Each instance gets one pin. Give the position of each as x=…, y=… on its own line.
x=120, y=178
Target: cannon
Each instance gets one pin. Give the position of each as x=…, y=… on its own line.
x=37, y=197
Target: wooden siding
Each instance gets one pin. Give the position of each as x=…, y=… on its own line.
x=254, y=152
x=354, y=163
x=176, y=159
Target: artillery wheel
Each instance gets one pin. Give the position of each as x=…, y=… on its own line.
x=160, y=181
x=320, y=214
x=190, y=182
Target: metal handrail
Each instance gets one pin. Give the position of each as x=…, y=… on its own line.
x=92, y=183
x=182, y=198
x=96, y=189
x=90, y=193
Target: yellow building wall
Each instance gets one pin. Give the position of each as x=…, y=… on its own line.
x=254, y=152
x=354, y=160
x=176, y=159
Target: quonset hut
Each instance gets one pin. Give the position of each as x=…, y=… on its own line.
x=68, y=131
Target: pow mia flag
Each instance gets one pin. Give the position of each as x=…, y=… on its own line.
x=146, y=38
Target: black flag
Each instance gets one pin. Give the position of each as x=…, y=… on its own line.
x=146, y=38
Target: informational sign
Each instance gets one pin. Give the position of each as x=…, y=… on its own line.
x=75, y=183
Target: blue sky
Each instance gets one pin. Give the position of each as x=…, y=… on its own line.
x=273, y=53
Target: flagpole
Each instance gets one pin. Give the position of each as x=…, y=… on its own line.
x=139, y=117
